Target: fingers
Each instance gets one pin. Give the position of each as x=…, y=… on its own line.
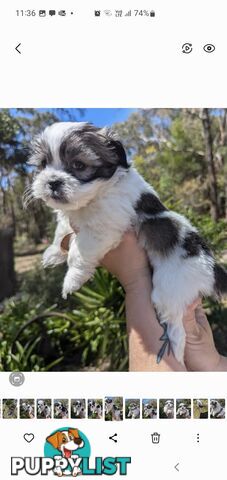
x=189, y=320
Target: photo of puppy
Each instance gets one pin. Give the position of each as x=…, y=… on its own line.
x=132, y=408
x=78, y=408
x=114, y=409
x=183, y=409
x=149, y=408
x=83, y=173
x=95, y=409
x=217, y=408
x=166, y=408
x=61, y=409
x=66, y=441
x=9, y=409
x=27, y=408
x=44, y=408
x=200, y=408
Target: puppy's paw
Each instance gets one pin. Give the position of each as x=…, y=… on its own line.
x=53, y=256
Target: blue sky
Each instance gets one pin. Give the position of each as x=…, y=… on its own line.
x=107, y=116
x=98, y=116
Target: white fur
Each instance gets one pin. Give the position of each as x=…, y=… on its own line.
x=169, y=409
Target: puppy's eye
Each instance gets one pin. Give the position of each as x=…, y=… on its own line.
x=79, y=165
x=44, y=163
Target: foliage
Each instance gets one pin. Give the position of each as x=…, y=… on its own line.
x=92, y=333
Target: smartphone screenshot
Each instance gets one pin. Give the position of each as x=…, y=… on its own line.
x=113, y=239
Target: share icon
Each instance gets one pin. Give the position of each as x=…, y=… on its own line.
x=113, y=438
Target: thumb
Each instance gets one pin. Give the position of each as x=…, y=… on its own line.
x=189, y=320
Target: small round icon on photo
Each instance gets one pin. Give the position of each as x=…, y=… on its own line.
x=187, y=47
x=16, y=379
x=209, y=48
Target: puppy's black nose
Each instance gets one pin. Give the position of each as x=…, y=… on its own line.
x=55, y=184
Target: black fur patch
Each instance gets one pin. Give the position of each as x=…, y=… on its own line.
x=220, y=275
x=149, y=204
x=161, y=234
x=193, y=244
x=99, y=154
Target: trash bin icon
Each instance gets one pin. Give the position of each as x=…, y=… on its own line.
x=155, y=437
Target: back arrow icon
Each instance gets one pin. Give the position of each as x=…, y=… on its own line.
x=177, y=467
x=17, y=48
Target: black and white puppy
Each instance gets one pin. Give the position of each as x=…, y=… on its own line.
x=216, y=410
x=183, y=411
x=133, y=411
x=60, y=410
x=78, y=409
x=84, y=175
x=169, y=408
x=149, y=411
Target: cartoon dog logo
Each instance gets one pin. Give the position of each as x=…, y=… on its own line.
x=66, y=441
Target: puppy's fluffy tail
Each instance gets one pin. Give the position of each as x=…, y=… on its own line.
x=220, y=275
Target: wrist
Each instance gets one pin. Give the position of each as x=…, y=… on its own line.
x=138, y=283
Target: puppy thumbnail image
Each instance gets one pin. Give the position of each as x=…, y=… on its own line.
x=200, y=408
x=183, y=408
x=217, y=408
x=95, y=408
x=114, y=409
x=166, y=408
x=132, y=408
x=149, y=408
x=61, y=408
x=27, y=408
x=9, y=408
x=78, y=408
x=44, y=408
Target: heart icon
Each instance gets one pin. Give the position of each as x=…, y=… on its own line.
x=29, y=437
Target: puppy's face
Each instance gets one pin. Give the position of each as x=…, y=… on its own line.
x=66, y=441
x=58, y=407
x=74, y=162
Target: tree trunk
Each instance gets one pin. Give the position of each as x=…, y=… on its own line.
x=209, y=155
x=7, y=273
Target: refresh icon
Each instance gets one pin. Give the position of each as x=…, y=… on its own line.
x=187, y=47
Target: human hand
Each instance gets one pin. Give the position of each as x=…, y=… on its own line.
x=200, y=350
x=129, y=263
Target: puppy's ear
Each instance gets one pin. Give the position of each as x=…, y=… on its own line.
x=115, y=145
x=74, y=432
x=54, y=440
x=76, y=436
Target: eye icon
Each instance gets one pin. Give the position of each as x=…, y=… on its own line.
x=209, y=48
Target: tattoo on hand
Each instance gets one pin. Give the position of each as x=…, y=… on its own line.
x=166, y=343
